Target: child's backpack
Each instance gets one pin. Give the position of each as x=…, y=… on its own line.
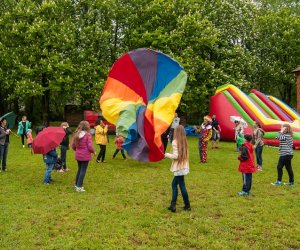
x=58, y=165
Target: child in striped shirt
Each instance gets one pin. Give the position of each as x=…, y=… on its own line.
x=285, y=137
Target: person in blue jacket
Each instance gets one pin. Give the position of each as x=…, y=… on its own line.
x=23, y=127
x=50, y=159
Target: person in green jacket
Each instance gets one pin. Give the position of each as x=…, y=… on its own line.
x=239, y=141
x=23, y=127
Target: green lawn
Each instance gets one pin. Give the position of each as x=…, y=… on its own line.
x=125, y=205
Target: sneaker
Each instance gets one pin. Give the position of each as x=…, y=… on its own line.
x=97, y=161
x=23, y=146
x=67, y=169
x=289, y=183
x=242, y=193
x=47, y=183
x=259, y=168
x=80, y=189
x=125, y=159
x=61, y=171
x=277, y=183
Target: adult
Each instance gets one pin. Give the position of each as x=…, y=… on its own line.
x=174, y=124
x=101, y=139
x=4, y=142
x=285, y=137
x=83, y=146
x=258, y=144
x=164, y=138
x=205, y=133
x=64, y=146
x=23, y=127
x=216, y=129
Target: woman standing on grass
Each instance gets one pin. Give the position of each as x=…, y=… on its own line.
x=83, y=146
x=4, y=142
x=101, y=139
x=23, y=127
x=285, y=137
x=179, y=167
x=258, y=144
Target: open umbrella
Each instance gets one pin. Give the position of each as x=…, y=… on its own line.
x=48, y=139
x=243, y=123
x=10, y=118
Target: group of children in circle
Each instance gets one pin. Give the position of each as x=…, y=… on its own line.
x=210, y=129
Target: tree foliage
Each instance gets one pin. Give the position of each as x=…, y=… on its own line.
x=55, y=52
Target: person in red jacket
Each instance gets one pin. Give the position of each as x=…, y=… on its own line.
x=246, y=166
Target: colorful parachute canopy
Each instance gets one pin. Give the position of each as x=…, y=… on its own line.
x=141, y=94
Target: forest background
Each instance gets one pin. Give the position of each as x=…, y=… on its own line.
x=57, y=52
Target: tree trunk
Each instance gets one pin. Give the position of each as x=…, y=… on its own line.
x=45, y=101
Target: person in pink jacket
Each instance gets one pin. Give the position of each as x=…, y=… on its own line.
x=83, y=146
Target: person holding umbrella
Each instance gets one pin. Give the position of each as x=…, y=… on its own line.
x=45, y=143
x=83, y=146
x=23, y=127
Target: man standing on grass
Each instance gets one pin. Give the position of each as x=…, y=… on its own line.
x=174, y=124
x=216, y=129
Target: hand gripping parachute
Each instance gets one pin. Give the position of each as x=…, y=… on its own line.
x=141, y=94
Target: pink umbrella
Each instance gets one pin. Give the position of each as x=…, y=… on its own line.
x=48, y=139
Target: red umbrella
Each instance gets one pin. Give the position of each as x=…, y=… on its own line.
x=48, y=139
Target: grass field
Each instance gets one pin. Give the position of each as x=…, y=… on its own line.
x=125, y=204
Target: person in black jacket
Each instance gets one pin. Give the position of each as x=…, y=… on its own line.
x=64, y=146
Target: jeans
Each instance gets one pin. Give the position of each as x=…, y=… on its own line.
x=47, y=177
x=247, y=182
x=1, y=153
x=286, y=161
x=23, y=137
x=63, y=155
x=4, y=156
x=258, y=153
x=122, y=152
x=82, y=167
x=101, y=155
x=179, y=180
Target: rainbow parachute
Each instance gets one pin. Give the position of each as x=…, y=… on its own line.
x=141, y=94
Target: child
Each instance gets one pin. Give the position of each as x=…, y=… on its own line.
x=179, y=167
x=64, y=146
x=101, y=139
x=239, y=141
x=50, y=159
x=285, y=137
x=247, y=166
x=204, y=136
x=29, y=138
x=238, y=134
x=258, y=143
x=83, y=146
x=119, y=140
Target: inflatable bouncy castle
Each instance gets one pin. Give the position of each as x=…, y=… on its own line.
x=268, y=110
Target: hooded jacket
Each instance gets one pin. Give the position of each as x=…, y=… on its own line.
x=246, y=159
x=84, y=147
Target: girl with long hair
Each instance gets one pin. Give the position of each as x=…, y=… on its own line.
x=180, y=167
x=83, y=146
x=258, y=144
x=285, y=137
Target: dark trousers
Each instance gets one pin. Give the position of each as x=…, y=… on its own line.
x=23, y=136
x=101, y=155
x=122, y=152
x=179, y=180
x=63, y=156
x=171, y=134
x=4, y=156
x=258, y=153
x=82, y=167
x=247, y=182
x=286, y=161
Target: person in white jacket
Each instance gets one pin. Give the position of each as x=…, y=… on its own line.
x=179, y=167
